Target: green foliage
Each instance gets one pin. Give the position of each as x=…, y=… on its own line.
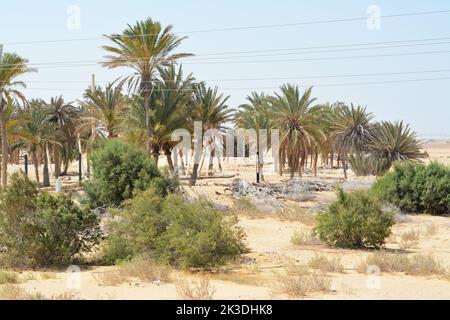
x=415, y=187
x=354, y=220
x=40, y=229
x=173, y=231
x=364, y=164
x=119, y=170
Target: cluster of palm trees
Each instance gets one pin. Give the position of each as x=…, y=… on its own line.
x=145, y=107
x=339, y=132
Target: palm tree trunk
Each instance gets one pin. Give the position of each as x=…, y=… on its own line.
x=57, y=160
x=46, y=181
x=292, y=164
x=344, y=164
x=35, y=163
x=4, y=171
x=316, y=159
x=168, y=154
x=193, y=178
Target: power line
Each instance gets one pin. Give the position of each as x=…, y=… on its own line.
x=283, y=78
x=280, y=50
x=271, y=88
x=301, y=23
x=79, y=64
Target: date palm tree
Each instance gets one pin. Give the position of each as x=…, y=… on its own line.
x=395, y=141
x=144, y=47
x=173, y=95
x=63, y=116
x=211, y=109
x=37, y=133
x=103, y=110
x=352, y=131
x=12, y=66
x=258, y=115
x=297, y=122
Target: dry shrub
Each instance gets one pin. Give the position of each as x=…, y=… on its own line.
x=8, y=277
x=325, y=264
x=13, y=292
x=394, y=262
x=409, y=239
x=297, y=282
x=198, y=289
x=304, y=238
x=142, y=268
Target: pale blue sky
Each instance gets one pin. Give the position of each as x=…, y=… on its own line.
x=425, y=105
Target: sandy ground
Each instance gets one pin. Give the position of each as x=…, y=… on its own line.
x=269, y=238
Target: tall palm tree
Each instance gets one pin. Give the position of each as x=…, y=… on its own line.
x=144, y=47
x=63, y=115
x=258, y=115
x=103, y=110
x=395, y=141
x=37, y=132
x=12, y=66
x=297, y=121
x=173, y=95
x=352, y=131
x=211, y=109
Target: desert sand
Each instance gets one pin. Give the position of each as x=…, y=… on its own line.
x=269, y=238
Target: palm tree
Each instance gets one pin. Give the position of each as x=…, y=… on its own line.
x=173, y=99
x=257, y=115
x=297, y=122
x=63, y=116
x=211, y=109
x=103, y=110
x=352, y=131
x=395, y=142
x=37, y=132
x=144, y=47
x=12, y=66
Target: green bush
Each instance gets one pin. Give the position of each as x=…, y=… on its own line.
x=172, y=231
x=38, y=229
x=354, y=220
x=414, y=187
x=119, y=170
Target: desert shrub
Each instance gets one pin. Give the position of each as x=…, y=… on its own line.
x=296, y=281
x=395, y=262
x=354, y=220
x=366, y=164
x=41, y=229
x=197, y=289
x=173, y=231
x=326, y=264
x=304, y=238
x=142, y=267
x=414, y=187
x=8, y=277
x=118, y=170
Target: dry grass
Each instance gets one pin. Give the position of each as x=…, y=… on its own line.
x=394, y=262
x=409, y=239
x=14, y=292
x=298, y=282
x=250, y=279
x=7, y=277
x=300, y=238
x=198, y=289
x=141, y=268
x=325, y=264
x=47, y=275
x=431, y=229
